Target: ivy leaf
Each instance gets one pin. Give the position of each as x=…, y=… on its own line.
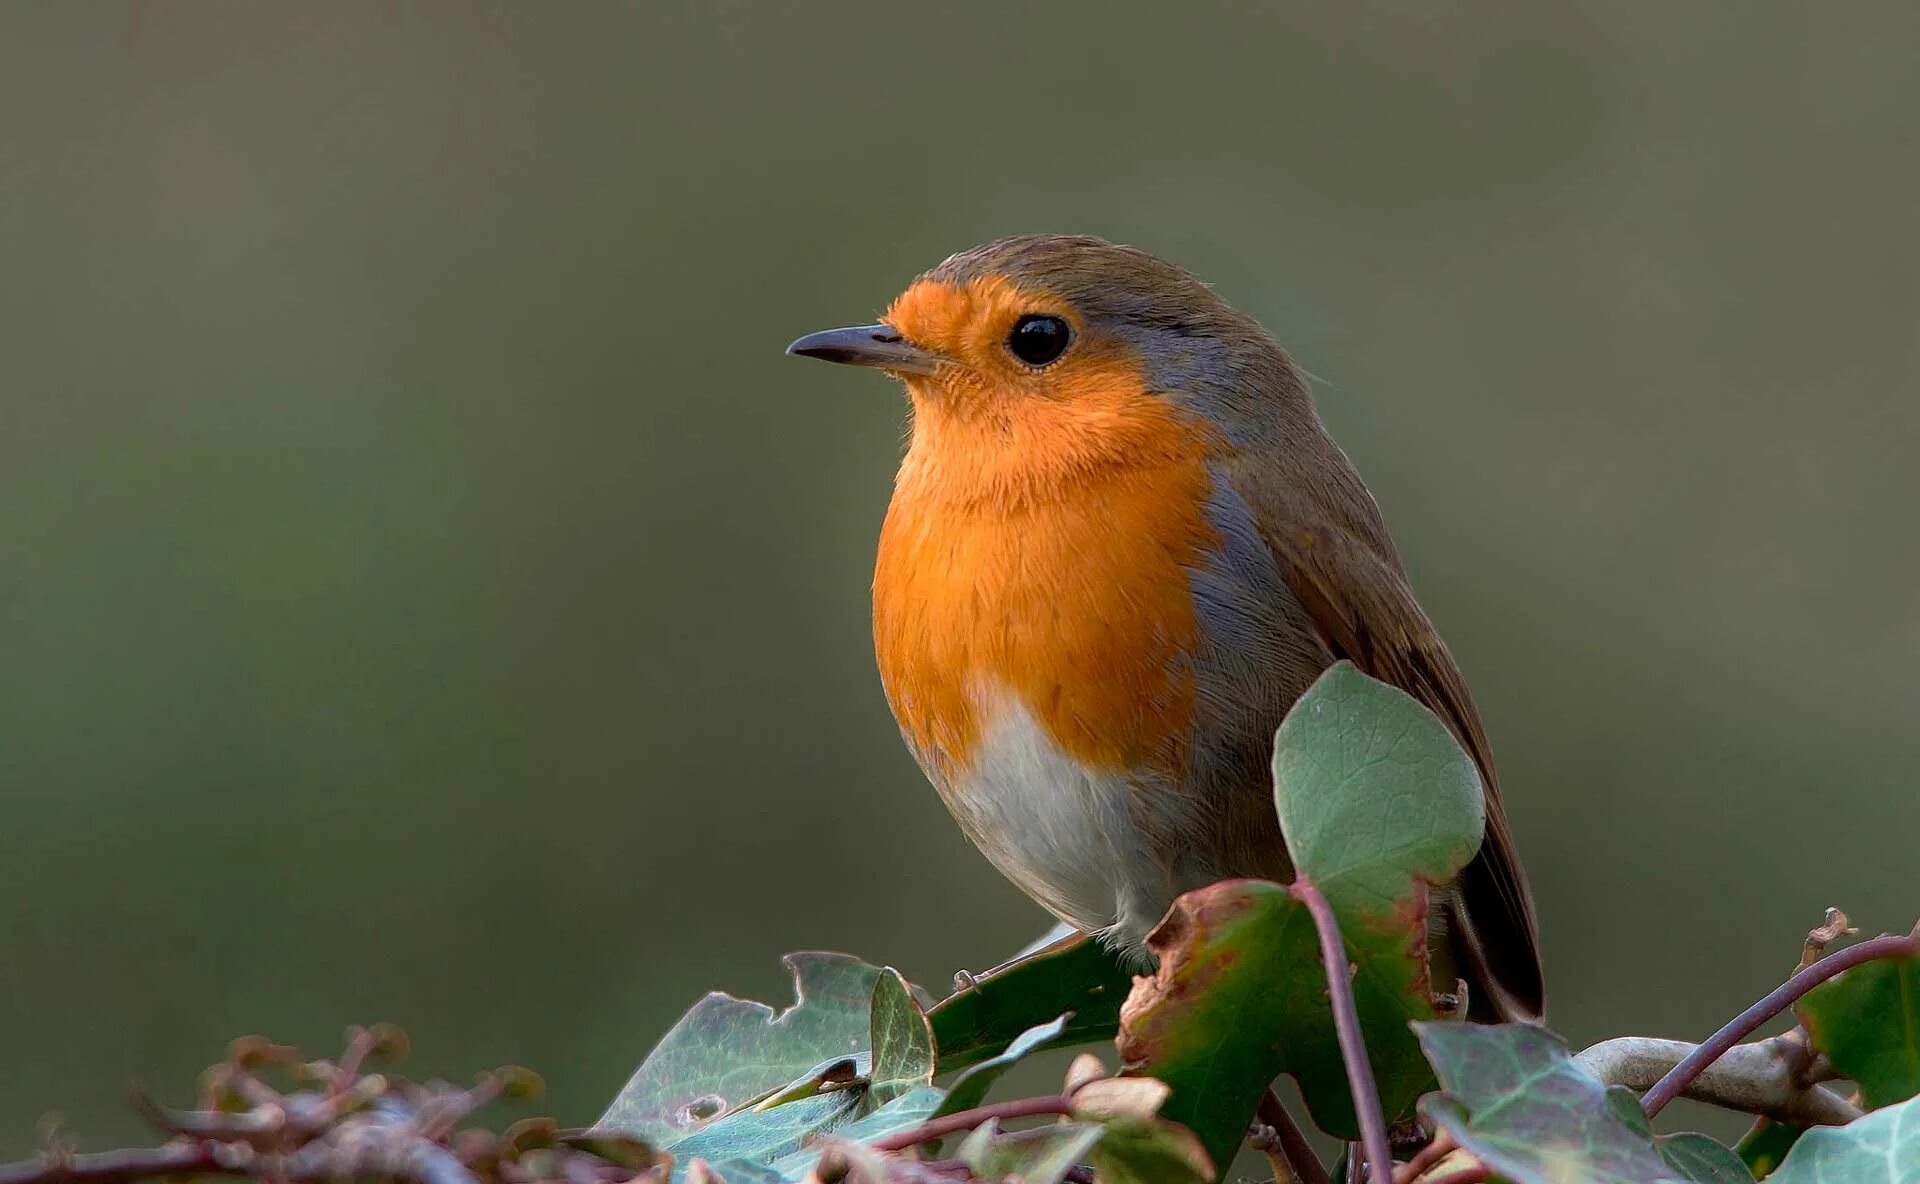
x=970, y=1088
x=1043, y=1155
x=761, y=1136
x=1883, y=1147
x=1372, y=788
x=1150, y=1151
x=1765, y=1144
x=1694, y=1157
x=726, y=1052
x=1115, y=1099
x=1082, y=977
x=783, y=1139
x=901, y=1037
x=908, y=1110
x=838, y=1073
x=1237, y=961
x=1377, y=801
x=1702, y=1159
x=625, y=1150
x=1867, y=1021
x=731, y=1171
x=1517, y=1100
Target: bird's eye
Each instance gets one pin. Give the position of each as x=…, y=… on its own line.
x=1037, y=339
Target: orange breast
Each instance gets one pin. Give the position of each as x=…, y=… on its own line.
x=1042, y=547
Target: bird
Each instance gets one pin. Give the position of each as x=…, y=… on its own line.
x=1120, y=545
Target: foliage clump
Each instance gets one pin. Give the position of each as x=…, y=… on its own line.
x=869, y=1079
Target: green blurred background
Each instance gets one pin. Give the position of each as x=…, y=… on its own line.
x=427, y=593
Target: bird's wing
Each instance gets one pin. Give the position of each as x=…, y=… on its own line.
x=1342, y=570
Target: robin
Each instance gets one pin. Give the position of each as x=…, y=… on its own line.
x=1120, y=546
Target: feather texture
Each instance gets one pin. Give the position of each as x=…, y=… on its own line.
x=1104, y=580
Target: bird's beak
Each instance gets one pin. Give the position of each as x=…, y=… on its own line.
x=879, y=346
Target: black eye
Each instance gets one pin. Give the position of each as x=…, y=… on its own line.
x=1037, y=340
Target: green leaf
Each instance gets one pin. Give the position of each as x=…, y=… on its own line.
x=1238, y=961
x=864, y=1165
x=1867, y=1021
x=1083, y=977
x=1150, y=1151
x=1765, y=1144
x=1372, y=788
x=1377, y=801
x=765, y=1135
x=1043, y=1155
x=782, y=1138
x=1694, y=1157
x=732, y=1171
x=970, y=1088
x=908, y=1110
x=838, y=1073
x=1112, y=1099
x=726, y=1052
x=902, y=1039
x=1702, y=1159
x=625, y=1150
x=781, y=1130
x=1881, y=1148
x=1516, y=1099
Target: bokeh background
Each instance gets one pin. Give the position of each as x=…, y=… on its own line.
x=427, y=593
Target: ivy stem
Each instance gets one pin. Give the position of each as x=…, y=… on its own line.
x=1435, y=1151
x=966, y=1120
x=1772, y=1004
x=1294, y=1149
x=1346, y=1023
x=112, y=1167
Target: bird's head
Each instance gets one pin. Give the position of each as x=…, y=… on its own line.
x=1077, y=341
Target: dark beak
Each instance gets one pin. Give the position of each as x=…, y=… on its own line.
x=879, y=346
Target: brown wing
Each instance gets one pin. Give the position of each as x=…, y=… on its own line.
x=1333, y=553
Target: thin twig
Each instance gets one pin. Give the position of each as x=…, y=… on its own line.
x=1835, y=927
x=1435, y=1151
x=966, y=1120
x=375, y=1129
x=360, y=1045
x=901, y=1170
x=113, y=1167
x=1291, y=1142
x=423, y=1162
x=1346, y=1023
x=1772, y=1004
x=441, y=1113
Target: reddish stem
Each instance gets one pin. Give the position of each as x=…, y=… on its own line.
x=1772, y=1004
x=1346, y=1023
x=1294, y=1148
x=1435, y=1151
x=966, y=1120
x=178, y=1159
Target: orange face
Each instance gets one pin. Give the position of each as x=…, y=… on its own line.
x=998, y=419
x=972, y=325
x=1046, y=522
x=1043, y=526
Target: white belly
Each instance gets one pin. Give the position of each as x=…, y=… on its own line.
x=1069, y=836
